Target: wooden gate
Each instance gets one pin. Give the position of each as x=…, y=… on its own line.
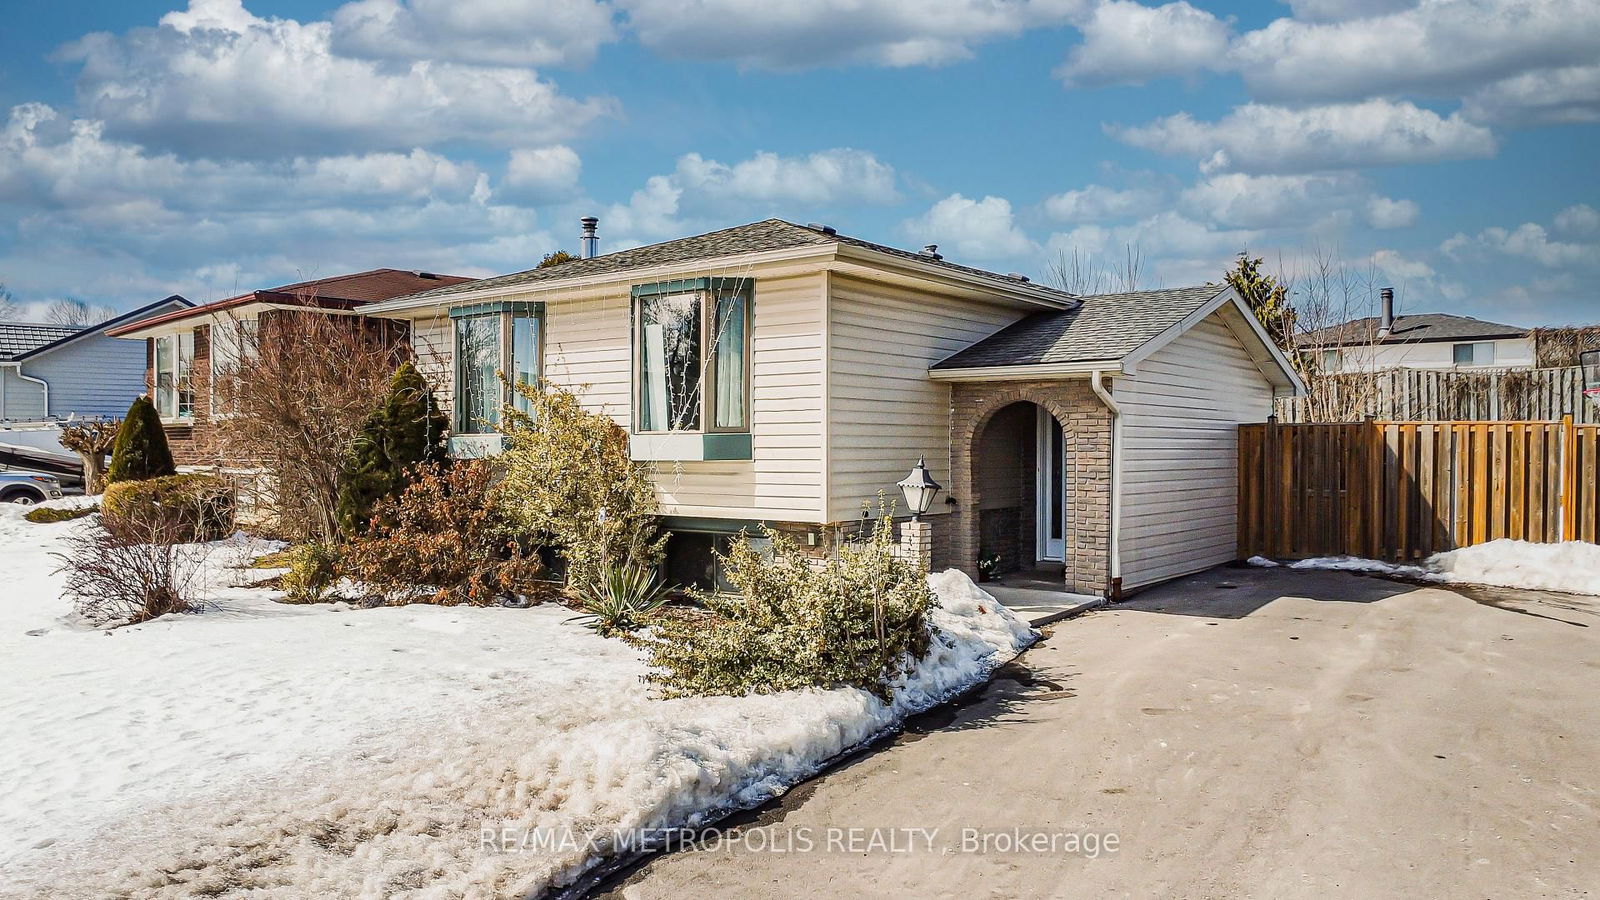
x=1403, y=490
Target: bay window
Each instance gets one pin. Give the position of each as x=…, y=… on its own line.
x=692, y=356
x=174, y=364
x=491, y=339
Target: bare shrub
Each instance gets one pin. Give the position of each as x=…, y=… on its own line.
x=134, y=573
x=293, y=399
x=445, y=539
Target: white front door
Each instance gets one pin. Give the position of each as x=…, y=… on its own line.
x=1051, y=489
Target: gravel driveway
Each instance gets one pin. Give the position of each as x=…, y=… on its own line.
x=1241, y=733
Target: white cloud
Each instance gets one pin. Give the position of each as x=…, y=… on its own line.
x=1532, y=241
x=490, y=32
x=49, y=162
x=828, y=178
x=542, y=174
x=215, y=79
x=702, y=192
x=792, y=35
x=1279, y=139
x=1399, y=268
x=1438, y=48
x=1545, y=97
x=975, y=229
x=1097, y=203
x=1384, y=212
x=1167, y=235
x=1340, y=10
x=1130, y=43
x=1288, y=201
x=1580, y=219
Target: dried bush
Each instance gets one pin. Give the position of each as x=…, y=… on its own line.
x=445, y=540
x=295, y=398
x=571, y=483
x=92, y=440
x=859, y=620
x=196, y=507
x=139, y=570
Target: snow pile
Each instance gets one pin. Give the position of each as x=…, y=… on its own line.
x=1571, y=567
x=258, y=748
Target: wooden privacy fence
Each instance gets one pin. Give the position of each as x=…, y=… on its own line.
x=1403, y=490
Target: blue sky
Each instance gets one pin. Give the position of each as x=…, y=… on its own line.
x=1445, y=147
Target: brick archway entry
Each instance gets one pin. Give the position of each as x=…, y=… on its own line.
x=1086, y=429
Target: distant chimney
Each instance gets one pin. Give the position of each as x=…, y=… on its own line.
x=931, y=251
x=1386, y=319
x=589, y=244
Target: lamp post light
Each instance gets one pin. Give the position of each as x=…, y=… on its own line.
x=919, y=489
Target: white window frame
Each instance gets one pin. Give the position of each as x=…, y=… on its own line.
x=179, y=353
x=228, y=350
x=1480, y=349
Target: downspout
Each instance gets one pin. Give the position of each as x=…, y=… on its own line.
x=1115, y=542
x=17, y=367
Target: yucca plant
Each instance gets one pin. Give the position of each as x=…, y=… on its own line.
x=621, y=597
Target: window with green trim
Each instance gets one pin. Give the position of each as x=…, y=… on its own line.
x=692, y=355
x=491, y=339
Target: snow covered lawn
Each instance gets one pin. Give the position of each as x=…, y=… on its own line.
x=1572, y=567
x=295, y=751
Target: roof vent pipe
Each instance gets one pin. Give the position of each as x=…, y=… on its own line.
x=1386, y=320
x=589, y=244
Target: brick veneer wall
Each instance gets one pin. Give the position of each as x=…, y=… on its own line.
x=1087, y=430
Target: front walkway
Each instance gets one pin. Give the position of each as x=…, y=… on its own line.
x=1244, y=733
x=1038, y=598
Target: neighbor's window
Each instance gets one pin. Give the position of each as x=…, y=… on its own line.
x=1330, y=360
x=487, y=344
x=174, y=365
x=694, y=359
x=1477, y=354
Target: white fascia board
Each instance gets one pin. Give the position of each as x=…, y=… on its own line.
x=404, y=308
x=1019, y=290
x=1026, y=372
x=1226, y=295
x=179, y=326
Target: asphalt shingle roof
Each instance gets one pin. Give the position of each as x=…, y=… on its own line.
x=17, y=338
x=1106, y=327
x=769, y=234
x=1414, y=329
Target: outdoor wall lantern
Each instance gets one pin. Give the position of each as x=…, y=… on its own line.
x=919, y=489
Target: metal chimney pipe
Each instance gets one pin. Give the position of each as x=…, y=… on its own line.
x=589, y=243
x=1386, y=320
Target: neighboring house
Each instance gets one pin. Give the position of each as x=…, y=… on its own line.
x=61, y=371
x=184, y=347
x=1419, y=341
x=787, y=374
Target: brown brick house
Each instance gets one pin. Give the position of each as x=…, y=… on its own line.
x=183, y=348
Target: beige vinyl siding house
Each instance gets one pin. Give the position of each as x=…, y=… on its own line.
x=842, y=384
x=1180, y=465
